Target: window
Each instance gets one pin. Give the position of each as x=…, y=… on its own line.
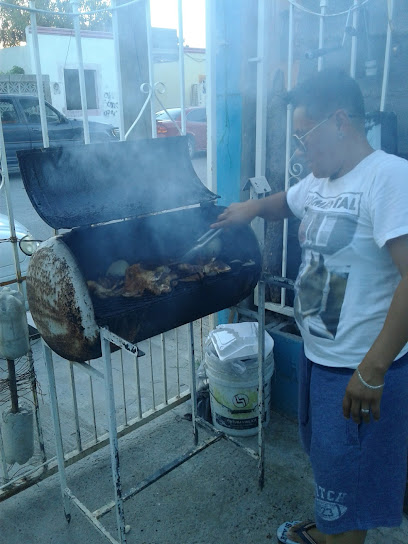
x=72, y=91
x=31, y=110
x=8, y=112
x=199, y=116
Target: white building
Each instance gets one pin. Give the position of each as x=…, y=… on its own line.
x=58, y=57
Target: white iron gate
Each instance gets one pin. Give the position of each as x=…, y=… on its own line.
x=147, y=385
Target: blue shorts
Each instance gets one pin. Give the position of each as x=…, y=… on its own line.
x=360, y=471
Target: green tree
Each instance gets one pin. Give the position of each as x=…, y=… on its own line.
x=13, y=22
x=14, y=70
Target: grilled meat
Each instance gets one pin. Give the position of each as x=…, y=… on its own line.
x=199, y=271
x=215, y=267
x=103, y=291
x=139, y=280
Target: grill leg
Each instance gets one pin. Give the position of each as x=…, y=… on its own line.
x=113, y=439
x=261, y=374
x=57, y=429
x=33, y=383
x=193, y=382
x=3, y=461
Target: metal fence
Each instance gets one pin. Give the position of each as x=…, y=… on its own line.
x=145, y=387
x=24, y=84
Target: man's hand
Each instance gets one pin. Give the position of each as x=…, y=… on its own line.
x=237, y=214
x=271, y=208
x=386, y=347
x=358, y=397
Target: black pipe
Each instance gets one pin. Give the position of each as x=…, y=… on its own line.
x=13, y=385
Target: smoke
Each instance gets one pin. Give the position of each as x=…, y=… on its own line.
x=84, y=185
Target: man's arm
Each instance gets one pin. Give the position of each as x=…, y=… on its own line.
x=390, y=341
x=271, y=208
x=394, y=334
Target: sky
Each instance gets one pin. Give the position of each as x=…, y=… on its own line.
x=164, y=15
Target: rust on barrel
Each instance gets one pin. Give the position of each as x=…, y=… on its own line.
x=63, y=315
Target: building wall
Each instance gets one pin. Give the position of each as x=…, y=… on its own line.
x=58, y=52
x=371, y=29
x=194, y=75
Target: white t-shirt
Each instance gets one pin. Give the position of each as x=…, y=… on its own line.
x=347, y=277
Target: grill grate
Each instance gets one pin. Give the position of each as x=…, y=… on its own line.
x=116, y=307
x=106, y=309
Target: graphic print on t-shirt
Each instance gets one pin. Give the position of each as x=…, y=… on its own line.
x=327, y=228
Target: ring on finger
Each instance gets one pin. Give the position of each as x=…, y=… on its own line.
x=365, y=411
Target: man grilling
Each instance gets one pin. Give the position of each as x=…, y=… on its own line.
x=351, y=307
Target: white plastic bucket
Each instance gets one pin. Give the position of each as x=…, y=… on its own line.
x=233, y=388
x=14, y=342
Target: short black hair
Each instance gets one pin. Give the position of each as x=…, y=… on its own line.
x=327, y=91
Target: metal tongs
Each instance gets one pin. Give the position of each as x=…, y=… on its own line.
x=200, y=245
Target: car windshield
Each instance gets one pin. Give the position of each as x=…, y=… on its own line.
x=31, y=109
x=162, y=115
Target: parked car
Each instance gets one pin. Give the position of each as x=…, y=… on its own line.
x=25, y=239
x=196, y=126
x=20, y=115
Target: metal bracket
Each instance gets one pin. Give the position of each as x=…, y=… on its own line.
x=120, y=342
x=279, y=281
x=259, y=186
x=88, y=369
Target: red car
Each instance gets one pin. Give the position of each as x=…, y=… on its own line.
x=196, y=126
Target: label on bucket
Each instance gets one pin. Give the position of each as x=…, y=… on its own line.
x=237, y=410
x=238, y=424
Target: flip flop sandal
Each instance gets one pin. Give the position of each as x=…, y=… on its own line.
x=301, y=532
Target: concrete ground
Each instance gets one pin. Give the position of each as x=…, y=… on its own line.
x=211, y=499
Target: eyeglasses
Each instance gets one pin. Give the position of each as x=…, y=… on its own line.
x=298, y=140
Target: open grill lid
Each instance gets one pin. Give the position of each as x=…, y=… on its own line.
x=80, y=185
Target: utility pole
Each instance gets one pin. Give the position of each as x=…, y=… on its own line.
x=134, y=67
